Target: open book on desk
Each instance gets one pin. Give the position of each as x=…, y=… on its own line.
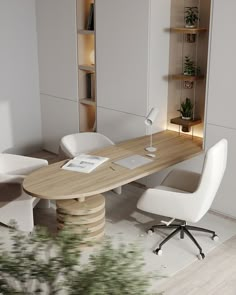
x=84, y=163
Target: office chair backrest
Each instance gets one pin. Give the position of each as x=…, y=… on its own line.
x=212, y=174
x=74, y=144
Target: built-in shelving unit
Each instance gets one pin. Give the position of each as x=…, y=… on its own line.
x=188, y=43
x=86, y=65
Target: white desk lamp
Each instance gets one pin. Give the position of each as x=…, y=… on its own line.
x=150, y=119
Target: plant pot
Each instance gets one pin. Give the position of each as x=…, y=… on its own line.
x=190, y=26
x=186, y=118
x=188, y=74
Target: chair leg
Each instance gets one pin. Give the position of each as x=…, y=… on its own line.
x=167, y=239
x=190, y=227
x=193, y=239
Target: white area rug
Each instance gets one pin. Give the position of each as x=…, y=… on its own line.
x=126, y=224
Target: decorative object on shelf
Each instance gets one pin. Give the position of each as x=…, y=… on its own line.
x=191, y=16
x=90, y=85
x=190, y=38
x=188, y=84
x=186, y=109
x=190, y=68
x=90, y=23
x=150, y=119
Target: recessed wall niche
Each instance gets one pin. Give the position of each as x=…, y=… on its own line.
x=188, y=43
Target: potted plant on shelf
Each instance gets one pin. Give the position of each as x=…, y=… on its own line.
x=186, y=109
x=191, y=16
x=190, y=68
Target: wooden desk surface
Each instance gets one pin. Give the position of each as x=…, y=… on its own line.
x=51, y=182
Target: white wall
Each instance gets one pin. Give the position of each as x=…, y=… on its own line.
x=132, y=58
x=58, y=71
x=221, y=119
x=20, y=118
x=158, y=63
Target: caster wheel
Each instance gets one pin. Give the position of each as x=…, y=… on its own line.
x=150, y=232
x=215, y=238
x=201, y=256
x=158, y=252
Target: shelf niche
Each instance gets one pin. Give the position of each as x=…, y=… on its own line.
x=183, y=86
x=86, y=66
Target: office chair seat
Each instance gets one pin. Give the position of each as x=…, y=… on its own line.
x=187, y=196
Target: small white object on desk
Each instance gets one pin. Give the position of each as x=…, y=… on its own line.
x=133, y=162
x=151, y=155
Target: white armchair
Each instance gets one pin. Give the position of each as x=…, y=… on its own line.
x=187, y=196
x=74, y=144
x=15, y=204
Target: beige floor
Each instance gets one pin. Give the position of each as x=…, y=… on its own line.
x=216, y=275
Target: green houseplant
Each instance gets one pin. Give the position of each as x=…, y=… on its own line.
x=44, y=264
x=191, y=16
x=186, y=109
x=190, y=68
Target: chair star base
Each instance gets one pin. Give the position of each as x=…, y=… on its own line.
x=182, y=229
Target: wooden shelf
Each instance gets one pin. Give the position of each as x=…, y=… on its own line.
x=183, y=77
x=188, y=30
x=86, y=32
x=87, y=68
x=87, y=101
x=186, y=124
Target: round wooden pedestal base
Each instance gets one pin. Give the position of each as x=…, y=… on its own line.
x=84, y=217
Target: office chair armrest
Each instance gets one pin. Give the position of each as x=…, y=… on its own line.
x=8, y=178
x=175, y=204
x=19, y=165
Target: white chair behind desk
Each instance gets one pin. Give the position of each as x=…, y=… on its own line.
x=74, y=144
x=187, y=196
x=15, y=204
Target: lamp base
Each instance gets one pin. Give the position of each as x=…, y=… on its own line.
x=150, y=149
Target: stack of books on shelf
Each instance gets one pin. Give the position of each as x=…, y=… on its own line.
x=90, y=83
x=90, y=23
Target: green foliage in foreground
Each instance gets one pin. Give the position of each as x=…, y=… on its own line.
x=43, y=264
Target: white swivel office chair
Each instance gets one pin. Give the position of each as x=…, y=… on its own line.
x=187, y=196
x=15, y=204
x=74, y=144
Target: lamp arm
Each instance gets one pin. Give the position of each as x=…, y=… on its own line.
x=151, y=136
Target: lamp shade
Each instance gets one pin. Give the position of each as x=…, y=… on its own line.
x=151, y=117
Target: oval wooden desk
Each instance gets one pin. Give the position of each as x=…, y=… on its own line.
x=67, y=187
